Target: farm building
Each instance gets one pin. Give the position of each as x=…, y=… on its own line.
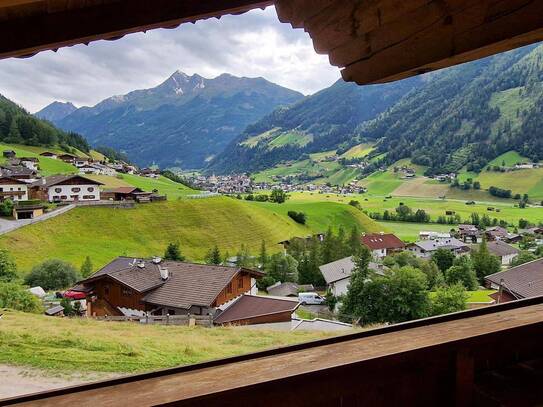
x=164, y=287
x=127, y=194
x=288, y=289
x=66, y=188
x=252, y=310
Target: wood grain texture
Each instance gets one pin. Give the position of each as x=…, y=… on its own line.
x=443, y=356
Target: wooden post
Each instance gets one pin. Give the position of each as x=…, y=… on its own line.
x=167, y=319
x=146, y=318
x=465, y=372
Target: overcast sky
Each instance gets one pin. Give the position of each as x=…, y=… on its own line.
x=253, y=44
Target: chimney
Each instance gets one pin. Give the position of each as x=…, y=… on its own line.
x=157, y=260
x=141, y=264
x=43, y=181
x=164, y=274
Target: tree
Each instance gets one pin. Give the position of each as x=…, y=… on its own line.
x=66, y=303
x=6, y=208
x=461, y=273
x=298, y=217
x=213, y=256
x=407, y=295
x=8, y=268
x=53, y=275
x=523, y=257
x=354, y=243
x=283, y=267
x=15, y=296
x=263, y=257
x=278, y=196
x=443, y=258
x=484, y=263
x=86, y=267
x=434, y=276
x=173, y=252
x=449, y=299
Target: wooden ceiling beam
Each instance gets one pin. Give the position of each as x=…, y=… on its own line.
x=57, y=23
x=383, y=40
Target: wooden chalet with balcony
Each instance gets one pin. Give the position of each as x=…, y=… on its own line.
x=13, y=189
x=164, y=287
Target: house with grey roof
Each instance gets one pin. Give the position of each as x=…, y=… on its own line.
x=518, y=282
x=65, y=188
x=504, y=251
x=288, y=289
x=164, y=287
x=337, y=274
x=425, y=248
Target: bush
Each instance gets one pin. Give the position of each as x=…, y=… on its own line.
x=6, y=208
x=8, y=269
x=53, y=275
x=449, y=299
x=15, y=296
x=298, y=217
x=265, y=282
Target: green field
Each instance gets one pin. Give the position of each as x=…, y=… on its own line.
x=48, y=166
x=293, y=138
x=434, y=207
x=197, y=224
x=382, y=182
x=359, y=151
x=305, y=167
x=64, y=345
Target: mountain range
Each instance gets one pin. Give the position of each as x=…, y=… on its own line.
x=461, y=116
x=183, y=122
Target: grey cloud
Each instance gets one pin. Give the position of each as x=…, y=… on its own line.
x=253, y=44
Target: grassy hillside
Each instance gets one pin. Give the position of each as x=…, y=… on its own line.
x=104, y=233
x=48, y=166
x=80, y=345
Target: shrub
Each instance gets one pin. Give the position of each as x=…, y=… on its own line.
x=173, y=252
x=16, y=297
x=298, y=217
x=449, y=299
x=8, y=269
x=6, y=208
x=53, y=275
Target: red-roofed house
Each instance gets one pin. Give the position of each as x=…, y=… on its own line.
x=382, y=244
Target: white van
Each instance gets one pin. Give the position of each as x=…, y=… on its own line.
x=311, y=299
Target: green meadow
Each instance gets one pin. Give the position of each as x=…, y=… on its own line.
x=48, y=166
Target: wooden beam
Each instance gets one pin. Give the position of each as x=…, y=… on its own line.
x=51, y=26
x=385, y=366
x=383, y=40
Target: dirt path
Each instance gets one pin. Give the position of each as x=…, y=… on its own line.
x=16, y=381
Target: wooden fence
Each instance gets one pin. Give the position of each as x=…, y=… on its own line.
x=189, y=320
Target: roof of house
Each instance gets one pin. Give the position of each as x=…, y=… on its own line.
x=378, y=241
x=125, y=190
x=17, y=170
x=187, y=285
x=434, y=244
x=60, y=179
x=288, y=288
x=343, y=268
x=497, y=231
x=251, y=306
x=54, y=310
x=523, y=281
x=501, y=249
x=10, y=180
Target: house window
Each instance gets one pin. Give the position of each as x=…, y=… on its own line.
x=89, y=196
x=90, y=189
x=240, y=282
x=229, y=288
x=56, y=198
x=171, y=312
x=58, y=190
x=1, y=189
x=63, y=197
x=76, y=189
x=106, y=291
x=127, y=292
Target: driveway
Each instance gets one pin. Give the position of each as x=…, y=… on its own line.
x=11, y=225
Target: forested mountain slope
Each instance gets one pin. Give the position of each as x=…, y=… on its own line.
x=461, y=116
x=183, y=122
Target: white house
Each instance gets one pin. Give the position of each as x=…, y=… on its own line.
x=425, y=248
x=13, y=189
x=337, y=274
x=382, y=244
x=66, y=188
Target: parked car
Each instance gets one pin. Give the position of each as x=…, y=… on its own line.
x=311, y=299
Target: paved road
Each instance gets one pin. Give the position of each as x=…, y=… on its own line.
x=11, y=225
